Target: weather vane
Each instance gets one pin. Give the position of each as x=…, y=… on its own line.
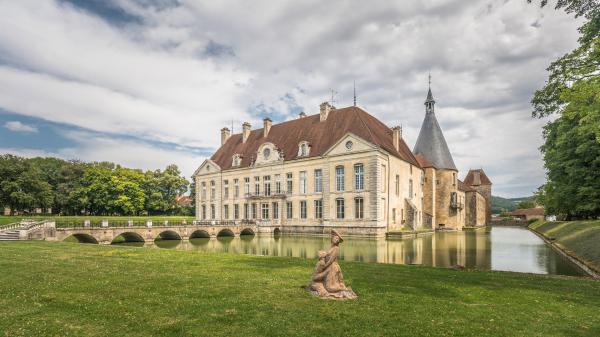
x=333, y=93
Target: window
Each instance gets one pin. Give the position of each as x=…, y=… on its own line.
x=290, y=183
x=236, y=160
x=246, y=186
x=302, y=182
x=225, y=189
x=339, y=178
x=256, y=185
x=383, y=178
x=359, y=177
x=303, y=209
x=203, y=191
x=212, y=189
x=339, y=208
x=275, y=210
x=253, y=210
x=226, y=212
x=236, y=188
x=267, y=153
x=318, y=181
x=277, y=184
x=410, y=188
x=359, y=210
x=397, y=184
x=212, y=212
x=453, y=179
x=203, y=212
x=393, y=215
x=236, y=211
x=410, y=169
x=265, y=210
x=246, y=215
x=289, y=210
x=267, y=185
x=303, y=149
x=319, y=209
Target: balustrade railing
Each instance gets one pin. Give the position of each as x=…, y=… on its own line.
x=149, y=223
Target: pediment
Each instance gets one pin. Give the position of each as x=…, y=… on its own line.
x=207, y=167
x=267, y=153
x=349, y=143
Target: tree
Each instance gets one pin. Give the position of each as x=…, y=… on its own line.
x=572, y=141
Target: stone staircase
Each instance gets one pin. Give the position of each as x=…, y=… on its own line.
x=9, y=235
x=12, y=232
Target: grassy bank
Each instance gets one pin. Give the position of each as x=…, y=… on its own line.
x=88, y=290
x=578, y=238
x=96, y=219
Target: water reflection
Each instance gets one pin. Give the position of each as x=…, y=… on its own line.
x=496, y=248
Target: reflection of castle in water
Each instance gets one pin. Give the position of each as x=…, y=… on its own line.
x=443, y=249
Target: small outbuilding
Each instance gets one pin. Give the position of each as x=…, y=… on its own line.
x=529, y=213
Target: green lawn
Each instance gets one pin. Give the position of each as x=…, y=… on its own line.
x=67, y=289
x=579, y=238
x=94, y=219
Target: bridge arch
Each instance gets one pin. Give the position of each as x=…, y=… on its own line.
x=128, y=237
x=81, y=238
x=247, y=231
x=200, y=233
x=168, y=235
x=225, y=232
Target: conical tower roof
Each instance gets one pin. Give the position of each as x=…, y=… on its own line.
x=431, y=142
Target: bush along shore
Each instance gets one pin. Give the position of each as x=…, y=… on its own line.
x=65, y=289
x=576, y=239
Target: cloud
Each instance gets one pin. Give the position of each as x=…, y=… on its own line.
x=17, y=126
x=177, y=71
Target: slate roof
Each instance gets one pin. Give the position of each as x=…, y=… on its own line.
x=423, y=162
x=471, y=180
x=431, y=142
x=321, y=136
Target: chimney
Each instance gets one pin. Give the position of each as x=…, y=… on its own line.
x=225, y=134
x=325, y=109
x=397, y=136
x=245, y=131
x=301, y=115
x=267, y=123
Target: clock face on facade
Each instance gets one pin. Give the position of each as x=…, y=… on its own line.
x=349, y=145
x=267, y=153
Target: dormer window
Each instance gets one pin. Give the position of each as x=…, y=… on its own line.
x=237, y=160
x=303, y=149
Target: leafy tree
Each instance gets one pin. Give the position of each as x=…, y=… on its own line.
x=526, y=204
x=572, y=141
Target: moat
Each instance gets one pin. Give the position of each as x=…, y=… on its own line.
x=496, y=248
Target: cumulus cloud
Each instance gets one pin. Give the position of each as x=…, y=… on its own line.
x=177, y=71
x=17, y=126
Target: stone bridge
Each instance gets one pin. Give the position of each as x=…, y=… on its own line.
x=107, y=234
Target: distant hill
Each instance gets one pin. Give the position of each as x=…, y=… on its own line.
x=500, y=204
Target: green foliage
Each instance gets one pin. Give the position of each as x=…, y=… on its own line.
x=501, y=205
x=525, y=204
x=74, y=187
x=572, y=141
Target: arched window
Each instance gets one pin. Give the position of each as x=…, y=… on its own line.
x=237, y=160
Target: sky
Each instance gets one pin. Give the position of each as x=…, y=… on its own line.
x=147, y=83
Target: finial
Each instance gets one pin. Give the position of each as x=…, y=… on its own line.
x=430, y=79
x=333, y=93
x=355, y=93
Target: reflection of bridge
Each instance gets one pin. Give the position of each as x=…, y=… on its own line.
x=106, y=233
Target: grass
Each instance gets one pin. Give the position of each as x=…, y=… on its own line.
x=578, y=238
x=94, y=219
x=66, y=289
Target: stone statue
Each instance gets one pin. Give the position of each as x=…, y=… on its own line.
x=327, y=281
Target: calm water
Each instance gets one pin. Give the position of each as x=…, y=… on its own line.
x=499, y=248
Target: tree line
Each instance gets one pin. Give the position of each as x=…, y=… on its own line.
x=571, y=148
x=72, y=187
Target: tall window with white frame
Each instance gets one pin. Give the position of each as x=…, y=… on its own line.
x=289, y=207
x=319, y=209
x=339, y=208
x=213, y=212
x=203, y=191
x=359, y=177
x=236, y=211
x=212, y=190
x=359, y=208
x=318, y=181
x=246, y=186
x=226, y=212
x=225, y=189
x=290, y=183
x=302, y=182
x=275, y=207
x=203, y=212
x=278, y=184
x=410, y=188
x=267, y=185
x=246, y=212
x=303, y=209
x=397, y=185
x=254, y=210
x=265, y=210
x=236, y=188
x=256, y=185
x=339, y=178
